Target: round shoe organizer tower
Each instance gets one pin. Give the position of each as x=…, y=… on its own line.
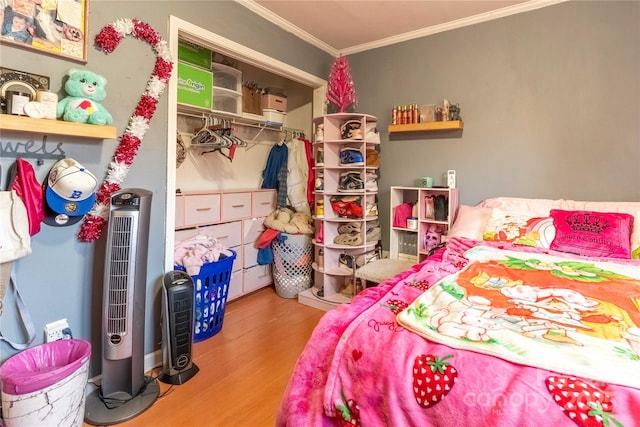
x=344, y=143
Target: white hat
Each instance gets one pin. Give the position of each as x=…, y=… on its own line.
x=71, y=188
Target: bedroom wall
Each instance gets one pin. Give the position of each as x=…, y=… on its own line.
x=549, y=99
x=62, y=278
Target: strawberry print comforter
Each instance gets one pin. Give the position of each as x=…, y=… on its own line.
x=364, y=366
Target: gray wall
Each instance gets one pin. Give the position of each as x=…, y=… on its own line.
x=549, y=99
x=63, y=277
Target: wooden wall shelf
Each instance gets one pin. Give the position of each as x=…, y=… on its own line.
x=429, y=126
x=10, y=122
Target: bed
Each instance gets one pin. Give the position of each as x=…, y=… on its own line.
x=522, y=319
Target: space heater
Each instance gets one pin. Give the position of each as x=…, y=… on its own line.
x=125, y=391
x=177, y=328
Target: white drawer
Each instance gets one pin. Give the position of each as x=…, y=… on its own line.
x=252, y=229
x=256, y=277
x=263, y=202
x=236, y=206
x=229, y=233
x=201, y=209
x=238, y=263
x=235, y=285
x=179, y=212
x=250, y=254
x=182, y=235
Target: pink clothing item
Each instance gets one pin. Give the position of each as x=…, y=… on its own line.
x=193, y=253
x=266, y=237
x=401, y=214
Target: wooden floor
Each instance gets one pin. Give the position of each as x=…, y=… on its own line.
x=244, y=369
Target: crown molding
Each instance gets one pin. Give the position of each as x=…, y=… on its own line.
x=423, y=32
x=287, y=26
x=476, y=19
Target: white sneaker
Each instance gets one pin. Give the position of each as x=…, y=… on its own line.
x=372, y=133
x=319, y=133
x=371, y=182
x=371, y=211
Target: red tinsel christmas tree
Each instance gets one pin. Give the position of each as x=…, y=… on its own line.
x=341, y=90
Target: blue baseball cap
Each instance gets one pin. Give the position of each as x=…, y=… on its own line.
x=71, y=188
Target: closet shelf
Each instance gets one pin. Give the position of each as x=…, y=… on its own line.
x=10, y=122
x=428, y=126
x=242, y=121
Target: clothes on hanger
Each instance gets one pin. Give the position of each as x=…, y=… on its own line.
x=277, y=158
x=298, y=177
x=311, y=179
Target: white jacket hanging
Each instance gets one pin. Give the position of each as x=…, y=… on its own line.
x=298, y=176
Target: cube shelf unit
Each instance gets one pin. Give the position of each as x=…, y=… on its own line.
x=331, y=278
x=408, y=243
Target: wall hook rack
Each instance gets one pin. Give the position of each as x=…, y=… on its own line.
x=32, y=150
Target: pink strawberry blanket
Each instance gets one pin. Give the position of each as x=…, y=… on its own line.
x=363, y=368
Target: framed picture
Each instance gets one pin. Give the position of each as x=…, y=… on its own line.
x=57, y=27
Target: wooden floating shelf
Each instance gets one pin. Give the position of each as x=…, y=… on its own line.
x=429, y=126
x=10, y=122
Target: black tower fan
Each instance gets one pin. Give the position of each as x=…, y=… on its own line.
x=177, y=328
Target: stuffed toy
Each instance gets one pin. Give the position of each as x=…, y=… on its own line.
x=85, y=89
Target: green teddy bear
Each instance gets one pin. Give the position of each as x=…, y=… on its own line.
x=85, y=90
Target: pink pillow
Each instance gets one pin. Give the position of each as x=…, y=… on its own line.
x=589, y=233
x=470, y=222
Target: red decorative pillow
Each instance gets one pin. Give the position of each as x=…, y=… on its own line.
x=596, y=234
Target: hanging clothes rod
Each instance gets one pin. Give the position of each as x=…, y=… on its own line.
x=243, y=122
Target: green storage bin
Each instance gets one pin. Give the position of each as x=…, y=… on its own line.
x=194, y=86
x=194, y=54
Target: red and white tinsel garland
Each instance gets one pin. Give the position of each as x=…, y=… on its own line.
x=108, y=40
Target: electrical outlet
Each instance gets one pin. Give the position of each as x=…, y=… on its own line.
x=58, y=330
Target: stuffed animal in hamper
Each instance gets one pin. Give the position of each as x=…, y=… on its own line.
x=85, y=89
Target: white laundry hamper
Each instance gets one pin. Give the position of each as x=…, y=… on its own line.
x=292, y=264
x=45, y=385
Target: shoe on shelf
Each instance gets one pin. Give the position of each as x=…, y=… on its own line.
x=319, y=183
x=345, y=261
x=319, y=133
x=350, y=181
x=348, y=239
x=373, y=158
x=372, y=133
x=371, y=210
x=373, y=234
x=352, y=288
x=349, y=227
x=351, y=129
x=320, y=156
x=351, y=157
x=371, y=182
x=347, y=206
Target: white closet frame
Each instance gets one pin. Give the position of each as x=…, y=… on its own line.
x=180, y=29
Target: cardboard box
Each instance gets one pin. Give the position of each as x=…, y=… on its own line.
x=251, y=101
x=194, y=86
x=274, y=98
x=194, y=54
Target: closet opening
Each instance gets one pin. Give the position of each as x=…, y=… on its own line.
x=251, y=60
